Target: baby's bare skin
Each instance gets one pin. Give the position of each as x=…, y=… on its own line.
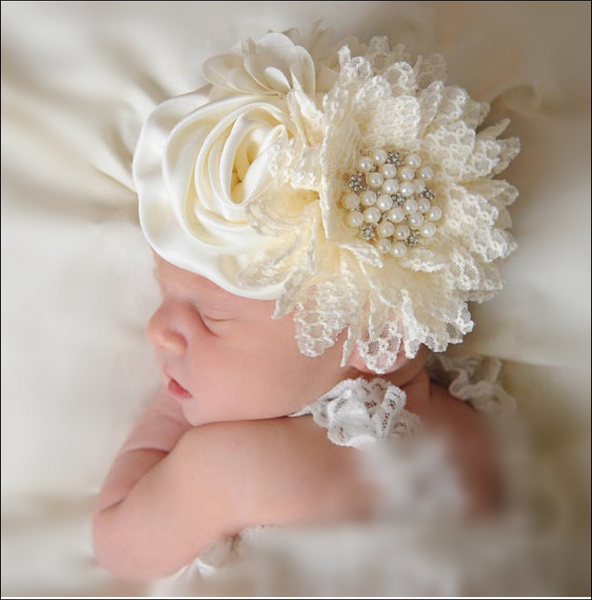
x=225, y=476
x=202, y=468
x=322, y=482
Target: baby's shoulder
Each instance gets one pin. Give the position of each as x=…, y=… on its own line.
x=459, y=415
x=471, y=445
x=437, y=407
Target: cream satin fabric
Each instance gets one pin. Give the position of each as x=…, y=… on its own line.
x=78, y=79
x=166, y=160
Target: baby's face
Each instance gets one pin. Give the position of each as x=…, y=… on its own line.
x=234, y=360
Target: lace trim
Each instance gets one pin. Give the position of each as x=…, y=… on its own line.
x=357, y=412
x=475, y=379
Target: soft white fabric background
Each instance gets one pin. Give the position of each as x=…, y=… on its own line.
x=77, y=81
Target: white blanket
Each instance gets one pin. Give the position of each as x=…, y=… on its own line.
x=77, y=81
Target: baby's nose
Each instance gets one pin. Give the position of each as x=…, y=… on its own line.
x=162, y=334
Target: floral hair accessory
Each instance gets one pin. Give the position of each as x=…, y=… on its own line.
x=339, y=179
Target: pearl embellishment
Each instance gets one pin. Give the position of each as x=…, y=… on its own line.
x=399, y=249
x=402, y=232
x=407, y=189
x=372, y=215
x=390, y=186
x=379, y=157
x=365, y=164
x=388, y=171
x=389, y=201
x=423, y=204
x=351, y=201
x=407, y=174
x=374, y=180
x=384, y=202
x=396, y=215
x=426, y=173
x=416, y=220
x=386, y=229
x=428, y=229
x=410, y=205
x=383, y=245
x=413, y=160
x=368, y=198
x=434, y=213
x=355, y=219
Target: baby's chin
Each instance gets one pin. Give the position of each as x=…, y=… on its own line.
x=189, y=412
x=196, y=418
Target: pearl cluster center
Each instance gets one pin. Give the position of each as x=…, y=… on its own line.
x=389, y=203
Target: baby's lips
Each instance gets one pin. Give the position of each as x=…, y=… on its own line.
x=177, y=390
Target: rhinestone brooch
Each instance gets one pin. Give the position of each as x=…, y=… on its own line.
x=389, y=203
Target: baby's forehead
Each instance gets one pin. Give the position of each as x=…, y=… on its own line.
x=209, y=291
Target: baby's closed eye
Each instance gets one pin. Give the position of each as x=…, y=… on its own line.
x=211, y=319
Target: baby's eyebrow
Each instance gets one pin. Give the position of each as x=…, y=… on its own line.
x=215, y=298
x=221, y=301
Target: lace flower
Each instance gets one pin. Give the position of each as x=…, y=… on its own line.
x=343, y=180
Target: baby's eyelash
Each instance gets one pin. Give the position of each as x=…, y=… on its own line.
x=206, y=317
x=212, y=319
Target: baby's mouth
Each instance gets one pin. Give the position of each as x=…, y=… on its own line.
x=177, y=390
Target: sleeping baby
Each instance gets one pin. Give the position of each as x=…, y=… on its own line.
x=214, y=451
x=320, y=214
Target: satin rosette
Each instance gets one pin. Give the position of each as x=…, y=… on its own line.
x=201, y=157
x=196, y=165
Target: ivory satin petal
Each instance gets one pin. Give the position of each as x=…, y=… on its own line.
x=186, y=219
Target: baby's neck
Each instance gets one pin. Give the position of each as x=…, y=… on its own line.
x=412, y=377
x=413, y=370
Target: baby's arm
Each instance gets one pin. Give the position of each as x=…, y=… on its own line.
x=154, y=436
x=175, y=509
x=220, y=478
x=156, y=433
